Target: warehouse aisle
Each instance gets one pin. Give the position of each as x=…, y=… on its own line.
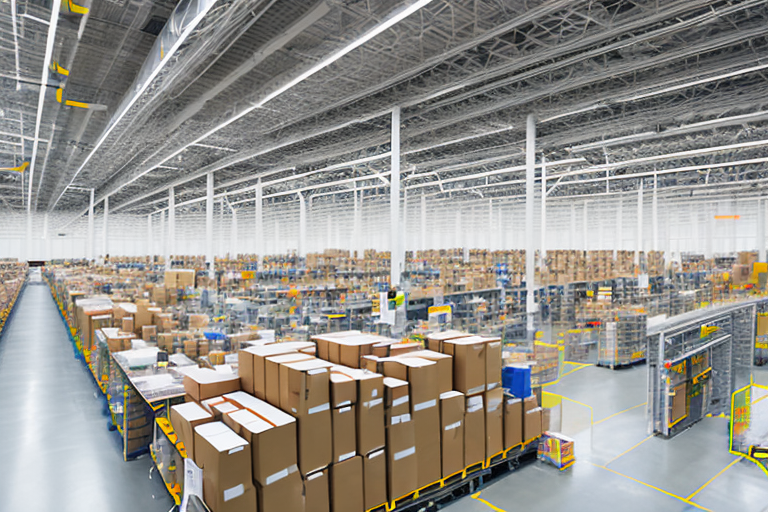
x=55, y=450
x=625, y=468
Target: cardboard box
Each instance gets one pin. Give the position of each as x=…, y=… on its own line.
x=493, y=363
x=316, y=492
x=272, y=374
x=452, y=432
x=305, y=386
x=221, y=409
x=444, y=367
x=396, y=398
x=148, y=331
x=347, y=486
x=427, y=424
x=204, y=383
x=343, y=389
x=468, y=364
x=494, y=422
x=283, y=495
x=370, y=410
x=374, y=479
x=351, y=349
x=272, y=434
x=343, y=422
x=323, y=342
x=474, y=430
x=530, y=403
x=251, y=368
x=421, y=376
x=225, y=460
x=435, y=340
x=532, y=424
x=127, y=324
x=165, y=342
x=513, y=421
x=209, y=403
x=402, y=471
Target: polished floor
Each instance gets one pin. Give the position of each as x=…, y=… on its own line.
x=620, y=467
x=56, y=453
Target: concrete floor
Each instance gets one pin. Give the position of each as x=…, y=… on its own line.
x=55, y=450
x=622, y=468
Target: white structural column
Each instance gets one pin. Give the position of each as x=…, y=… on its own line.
x=543, y=228
x=163, y=240
x=585, y=227
x=639, y=244
x=695, y=232
x=710, y=223
x=171, y=222
x=46, y=244
x=357, y=242
x=655, y=214
x=233, y=234
x=530, y=248
x=572, y=231
x=396, y=256
x=29, y=235
x=490, y=244
x=105, y=233
x=459, y=229
x=760, y=231
x=259, y=223
x=424, y=243
x=302, y=225
x=91, y=241
x=619, y=244
x=209, y=254
x=150, y=251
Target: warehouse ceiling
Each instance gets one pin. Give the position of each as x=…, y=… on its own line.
x=299, y=93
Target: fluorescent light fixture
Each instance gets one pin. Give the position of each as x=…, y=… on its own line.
x=168, y=167
x=34, y=18
x=211, y=147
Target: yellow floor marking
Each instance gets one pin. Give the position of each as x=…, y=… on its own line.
x=726, y=468
x=565, y=374
x=620, y=412
x=477, y=497
x=627, y=451
x=684, y=500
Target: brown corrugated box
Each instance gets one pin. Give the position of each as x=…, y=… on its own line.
x=402, y=470
x=347, y=485
x=283, y=495
x=225, y=460
x=126, y=324
x=323, y=340
x=493, y=363
x=396, y=398
x=474, y=430
x=203, y=383
x=221, y=409
x=513, y=421
x=532, y=424
x=529, y=403
x=494, y=422
x=468, y=364
x=374, y=479
x=435, y=340
x=148, y=331
x=427, y=423
x=421, y=376
x=444, y=367
x=316, y=492
x=370, y=409
x=250, y=365
x=452, y=432
x=272, y=374
x=343, y=421
x=343, y=389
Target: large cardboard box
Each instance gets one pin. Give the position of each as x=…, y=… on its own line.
x=474, y=430
x=272, y=435
x=513, y=421
x=532, y=424
x=435, y=340
x=530, y=403
x=343, y=421
x=185, y=277
x=324, y=340
x=421, y=375
x=396, y=398
x=272, y=374
x=370, y=410
x=222, y=409
x=494, y=422
x=374, y=479
x=493, y=363
x=283, y=495
x=343, y=389
x=352, y=349
x=444, y=367
x=184, y=418
x=347, y=485
x=402, y=470
x=251, y=367
x=427, y=423
x=225, y=460
x=204, y=383
x=468, y=364
x=316, y=490
x=452, y=432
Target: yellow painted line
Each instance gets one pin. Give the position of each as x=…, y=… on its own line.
x=477, y=497
x=684, y=500
x=620, y=412
x=566, y=373
x=726, y=468
x=627, y=451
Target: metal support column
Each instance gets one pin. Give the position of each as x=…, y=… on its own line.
x=639, y=243
x=209, y=257
x=543, y=228
x=149, y=237
x=302, y=226
x=530, y=248
x=760, y=231
x=171, y=223
x=91, y=241
x=46, y=239
x=423, y=222
x=259, y=223
x=233, y=235
x=396, y=257
x=585, y=227
x=489, y=245
x=357, y=242
x=105, y=234
x=619, y=228
x=655, y=214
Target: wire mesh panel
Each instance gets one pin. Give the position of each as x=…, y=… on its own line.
x=749, y=424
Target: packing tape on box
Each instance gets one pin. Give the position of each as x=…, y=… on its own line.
x=400, y=401
x=345, y=403
x=234, y=492
x=453, y=426
x=474, y=408
x=478, y=389
x=375, y=454
x=373, y=403
x=346, y=456
x=494, y=344
x=344, y=409
x=319, y=408
x=425, y=405
x=403, y=418
x=281, y=474
x=405, y=453
x=318, y=474
x=317, y=371
x=492, y=386
x=235, y=450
